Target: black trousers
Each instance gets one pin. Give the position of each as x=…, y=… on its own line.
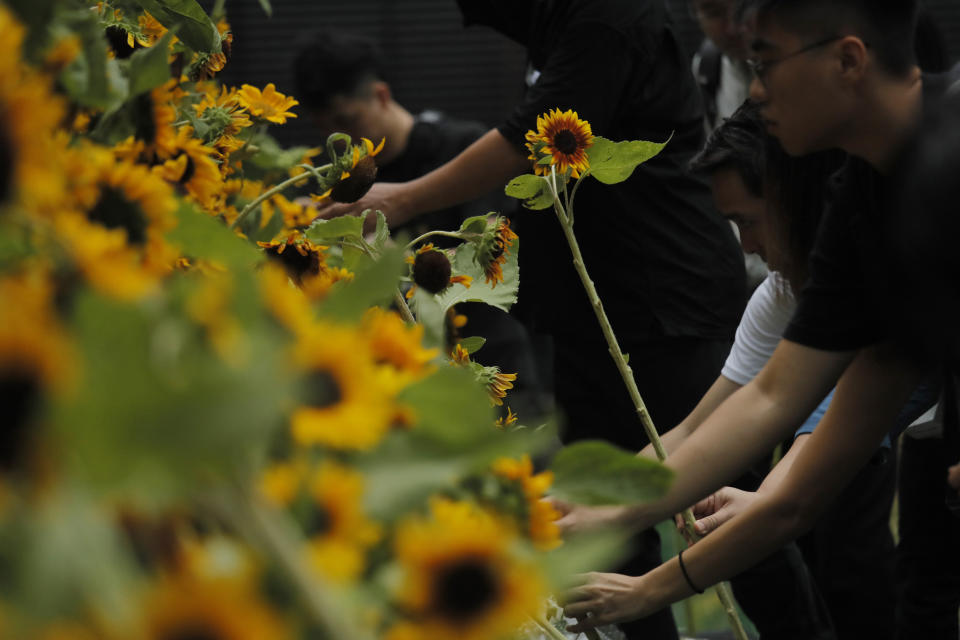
x=928, y=556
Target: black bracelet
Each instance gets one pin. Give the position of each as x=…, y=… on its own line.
x=685, y=574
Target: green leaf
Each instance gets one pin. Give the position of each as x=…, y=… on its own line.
x=593, y=551
x=374, y=286
x=199, y=235
x=267, y=9
x=502, y=296
x=341, y=228
x=473, y=343
x=475, y=224
x=613, y=162
x=91, y=79
x=149, y=67
x=533, y=190
x=382, y=234
x=188, y=20
x=596, y=472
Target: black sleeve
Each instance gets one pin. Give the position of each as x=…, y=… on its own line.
x=834, y=310
x=587, y=71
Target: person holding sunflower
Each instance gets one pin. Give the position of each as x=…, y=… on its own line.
x=665, y=263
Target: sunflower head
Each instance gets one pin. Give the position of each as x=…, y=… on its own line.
x=431, y=269
x=561, y=142
x=269, y=104
x=493, y=248
x=538, y=515
x=463, y=578
x=301, y=258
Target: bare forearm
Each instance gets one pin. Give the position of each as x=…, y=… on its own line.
x=719, y=391
x=782, y=468
x=489, y=163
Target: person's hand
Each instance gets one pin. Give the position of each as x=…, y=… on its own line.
x=714, y=510
x=578, y=518
x=389, y=197
x=605, y=598
x=953, y=477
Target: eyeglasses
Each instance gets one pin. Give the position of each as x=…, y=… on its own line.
x=761, y=67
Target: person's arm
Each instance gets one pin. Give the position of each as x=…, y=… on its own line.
x=487, y=164
x=865, y=405
x=719, y=391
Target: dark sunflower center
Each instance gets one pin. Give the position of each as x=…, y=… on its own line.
x=319, y=522
x=194, y=631
x=356, y=186
x=565, y=142
x=19, y=395
x=117, y=39
x=431, y=270
x=145, y=127
x=189, y=170
x=114, y=211
x=6, y=165
x=465, y=589
x=297, y=265
x=322, y=390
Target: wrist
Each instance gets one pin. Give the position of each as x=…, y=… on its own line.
x=633, y=517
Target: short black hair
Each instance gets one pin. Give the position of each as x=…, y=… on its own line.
x=739, y=143
x=888, y=26
x=335, y=63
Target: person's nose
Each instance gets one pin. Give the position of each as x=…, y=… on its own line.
x=758, y=92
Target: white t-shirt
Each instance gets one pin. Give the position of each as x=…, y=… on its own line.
x=763, y=323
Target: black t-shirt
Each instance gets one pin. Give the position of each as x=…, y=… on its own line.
x=847, y=302
x=663, y=260
x=434, y=140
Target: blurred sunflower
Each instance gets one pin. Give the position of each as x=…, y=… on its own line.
x=431, y=270
x=29, y=114
x=183, y=607
x=295, y=216
x=154, y=116
x=210, y=306
x=318, y=287
x=358, y=174
x=269, y=104
x=192, y=166
x=396, y=344
x=565, y=139
x=540, y=514
x=493, y=250
x=285, y=301
x=464, y=578
x=301, y=258
x=346, y=404
x=148, y=31
x=36, y=359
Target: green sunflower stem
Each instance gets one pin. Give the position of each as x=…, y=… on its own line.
x=548, y=628
x=404, y=308
x=722, y=591
x=269, y=193
x=446, y=234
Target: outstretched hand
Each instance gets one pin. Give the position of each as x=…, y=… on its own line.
x=579, y=518
x=714, y=510
x=605, y=598
x=388, y=197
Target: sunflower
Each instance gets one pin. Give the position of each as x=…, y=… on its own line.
x=318, y=287
x=122, y=213
x=210, y=307
x=226, y=118
x=540, y=514
x=29, y=115
x=397, y=344
x=149, y=31
x=270, y=104
x=61, y=53
x=301, y=258
x=431, y=270
x=182, y=607
x=285, y=301
x=295, y=216
x=498, y=384
x=36, y=359
x=565, y=139
x=154, y=116
x=347, y=404
x=193, y=167
x=493, y=250
x=358, y=175
x=463, y=577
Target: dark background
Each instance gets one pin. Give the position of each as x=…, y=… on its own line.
x=432, y=60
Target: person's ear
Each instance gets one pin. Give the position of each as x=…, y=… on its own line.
x=382, y=93
x=852, y=58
